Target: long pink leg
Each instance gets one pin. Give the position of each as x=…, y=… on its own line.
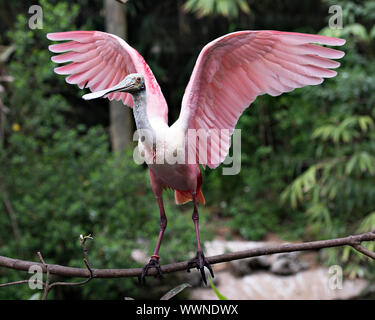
x=195, y=218
x=154, y=261
x=163, y=225
x=199, y=261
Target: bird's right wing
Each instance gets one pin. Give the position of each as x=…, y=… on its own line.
x=101, y=60
x=233, y=70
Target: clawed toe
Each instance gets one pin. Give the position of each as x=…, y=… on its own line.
x=153, y=263
x=200, y=262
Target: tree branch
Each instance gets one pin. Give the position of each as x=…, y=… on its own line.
x=46, y=285
x=353, y=241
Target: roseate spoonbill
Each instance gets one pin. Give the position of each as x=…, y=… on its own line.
x=229, y=74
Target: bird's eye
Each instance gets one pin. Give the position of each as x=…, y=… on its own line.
x=138, y=79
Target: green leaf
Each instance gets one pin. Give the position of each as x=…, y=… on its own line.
x=350, y=165
x=35, y=296
x=357, y=30
x=218, y=294
x=226, y=8
x=170, y=294
x=368, y=223
x=372, y=33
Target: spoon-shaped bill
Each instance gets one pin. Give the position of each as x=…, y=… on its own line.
x=123, y=86
x=95, y=95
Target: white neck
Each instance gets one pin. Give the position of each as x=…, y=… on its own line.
x=140, y=110
x=141, y=119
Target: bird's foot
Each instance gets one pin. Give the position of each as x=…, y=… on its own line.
x=200, y=262
x=153, y=263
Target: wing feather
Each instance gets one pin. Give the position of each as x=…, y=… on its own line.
x=233, y=70
x=100, y=60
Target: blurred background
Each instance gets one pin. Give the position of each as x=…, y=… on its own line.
x=66, y=167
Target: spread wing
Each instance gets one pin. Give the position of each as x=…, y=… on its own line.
x=233, y=70
x=100, y=60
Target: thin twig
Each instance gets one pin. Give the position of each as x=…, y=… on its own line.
x=364, y=251
x=4, y=110
x=85, y=260
x=8, y=284
x=13, y=283
x=46, y=284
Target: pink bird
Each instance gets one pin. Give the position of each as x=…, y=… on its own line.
x=229, y=74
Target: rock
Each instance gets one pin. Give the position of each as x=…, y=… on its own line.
x=244, y=267
x=139, y=256
x=305, y=285
x=239, y=268
x=367, y=293
x=195, y=279
x=287, y=263
x=281, y=264
x=216, y=247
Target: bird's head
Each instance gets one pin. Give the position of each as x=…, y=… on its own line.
x=132, y=83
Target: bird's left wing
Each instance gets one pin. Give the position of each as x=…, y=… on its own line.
x=99, y=60
x=233, y=70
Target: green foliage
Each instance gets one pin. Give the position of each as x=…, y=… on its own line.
x=337, y=191
x=345, y=130
x=225, y=8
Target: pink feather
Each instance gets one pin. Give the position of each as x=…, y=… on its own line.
x=101, y=60
x=233, y=70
